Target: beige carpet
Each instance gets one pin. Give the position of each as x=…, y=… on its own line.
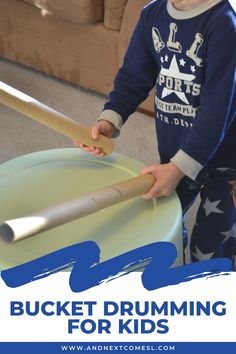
x=20, y=135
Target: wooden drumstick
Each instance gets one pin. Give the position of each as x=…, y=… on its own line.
x=21, y=228
x=47, y=116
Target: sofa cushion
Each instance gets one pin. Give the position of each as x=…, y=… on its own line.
x=113, y=15
x=130, y=18
x=81, y=11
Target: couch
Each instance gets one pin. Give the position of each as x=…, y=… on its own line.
x=80, y=41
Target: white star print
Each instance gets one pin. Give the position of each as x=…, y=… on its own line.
x=174, y=72
x=229, y=233
x=162, y=59
x=200, y=256
x=166, y=58
x=211, y=207
x=193, y=68
x=182, y=62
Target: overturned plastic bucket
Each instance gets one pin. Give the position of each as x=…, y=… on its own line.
x=39, y=180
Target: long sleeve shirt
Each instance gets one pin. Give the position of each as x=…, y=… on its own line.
x=190, y=57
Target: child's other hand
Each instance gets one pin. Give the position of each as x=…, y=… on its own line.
x=103, y=127
x=167, y=177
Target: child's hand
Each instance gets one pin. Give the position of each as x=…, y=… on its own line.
x=103, y=127
x=167, y=177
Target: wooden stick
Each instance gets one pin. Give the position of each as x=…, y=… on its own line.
x=18, y=229
x=49, y=117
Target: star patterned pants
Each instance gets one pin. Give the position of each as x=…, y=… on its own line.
x=214, y=232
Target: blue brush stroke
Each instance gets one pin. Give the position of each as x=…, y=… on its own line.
x=154, y=259
x=87, y=253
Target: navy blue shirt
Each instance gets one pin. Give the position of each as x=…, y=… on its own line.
x=190, y=57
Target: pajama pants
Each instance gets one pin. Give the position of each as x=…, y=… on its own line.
x=214, y=232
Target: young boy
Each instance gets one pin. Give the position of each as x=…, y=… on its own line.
x=187, y=48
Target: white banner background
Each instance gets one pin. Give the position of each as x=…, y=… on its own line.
x=128, y=288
